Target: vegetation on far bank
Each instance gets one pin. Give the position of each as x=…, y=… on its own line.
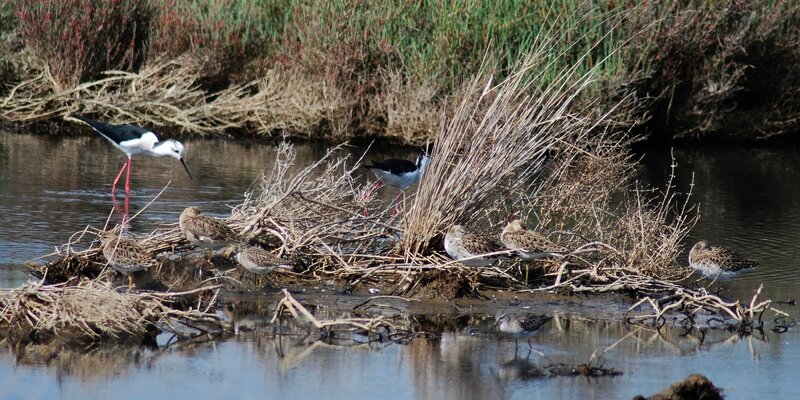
x=350, y=68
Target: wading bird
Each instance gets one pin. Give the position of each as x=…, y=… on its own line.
x=712, y=260
x=204, y=231
x=124, y=255
x=135, y=140
x=397, y=172
x=529, y=244
x=520, y=326
x=461, y=245
x=260, y=261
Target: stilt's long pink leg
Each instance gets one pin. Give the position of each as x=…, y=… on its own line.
x=396, y=202
x=114, y=186
x=377, y=185
x=372, y=190
x=125, y=217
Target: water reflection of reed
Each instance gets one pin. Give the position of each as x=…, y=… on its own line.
x=452, y=364
x=582, y=336
x=464, y=357
x=748, y=199
x=98, y=363
x=451, y=357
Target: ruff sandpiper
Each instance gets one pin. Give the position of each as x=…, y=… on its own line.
x=124, y=255
x=470, y=248
x=520, y=326
x=529, y=244
x=204, y=231
x=260, y=261
x=712, y=260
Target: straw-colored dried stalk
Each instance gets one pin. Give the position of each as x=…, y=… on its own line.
x=493, y=148
x=380, y=326
x=69, y=262
x=168, y=93
x=91, y=310
x=696, y=303
x=317, y=213
x=317, y=216
x=405, y=109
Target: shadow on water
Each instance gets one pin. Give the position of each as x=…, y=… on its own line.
x=50, y=188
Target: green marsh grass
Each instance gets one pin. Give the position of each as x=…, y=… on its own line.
x=389, y=68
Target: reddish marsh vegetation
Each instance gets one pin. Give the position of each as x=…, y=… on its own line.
x=350, y=68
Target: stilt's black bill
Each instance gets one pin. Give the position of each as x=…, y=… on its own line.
x=186, y=168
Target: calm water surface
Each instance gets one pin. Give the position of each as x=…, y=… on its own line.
x=52, y=188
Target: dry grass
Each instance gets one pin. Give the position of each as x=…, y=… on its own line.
x=405, y=109
x=91, y=310
x=519, y=147
x=317, y=216
x=492, y=146
x=168, y=94
x=377, y=328
x=695, y=303
x=516, y=147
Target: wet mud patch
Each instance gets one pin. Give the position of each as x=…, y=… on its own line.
x=440, y=284
x=580, y=370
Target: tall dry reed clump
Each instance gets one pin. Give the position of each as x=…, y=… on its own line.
x=92, y=310
x=524, y=147
x=521, y=147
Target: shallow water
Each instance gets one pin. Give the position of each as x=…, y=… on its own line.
x=50, y=188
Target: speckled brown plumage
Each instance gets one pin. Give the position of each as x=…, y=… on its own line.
x=521, y=325
x=459, y=245
x=528, y=244
x=713, y=260
x=260, y=261
x=125, y=255
x=204, y=231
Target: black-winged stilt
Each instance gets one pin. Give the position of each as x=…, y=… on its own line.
x=135, y=140
x=398, y=172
